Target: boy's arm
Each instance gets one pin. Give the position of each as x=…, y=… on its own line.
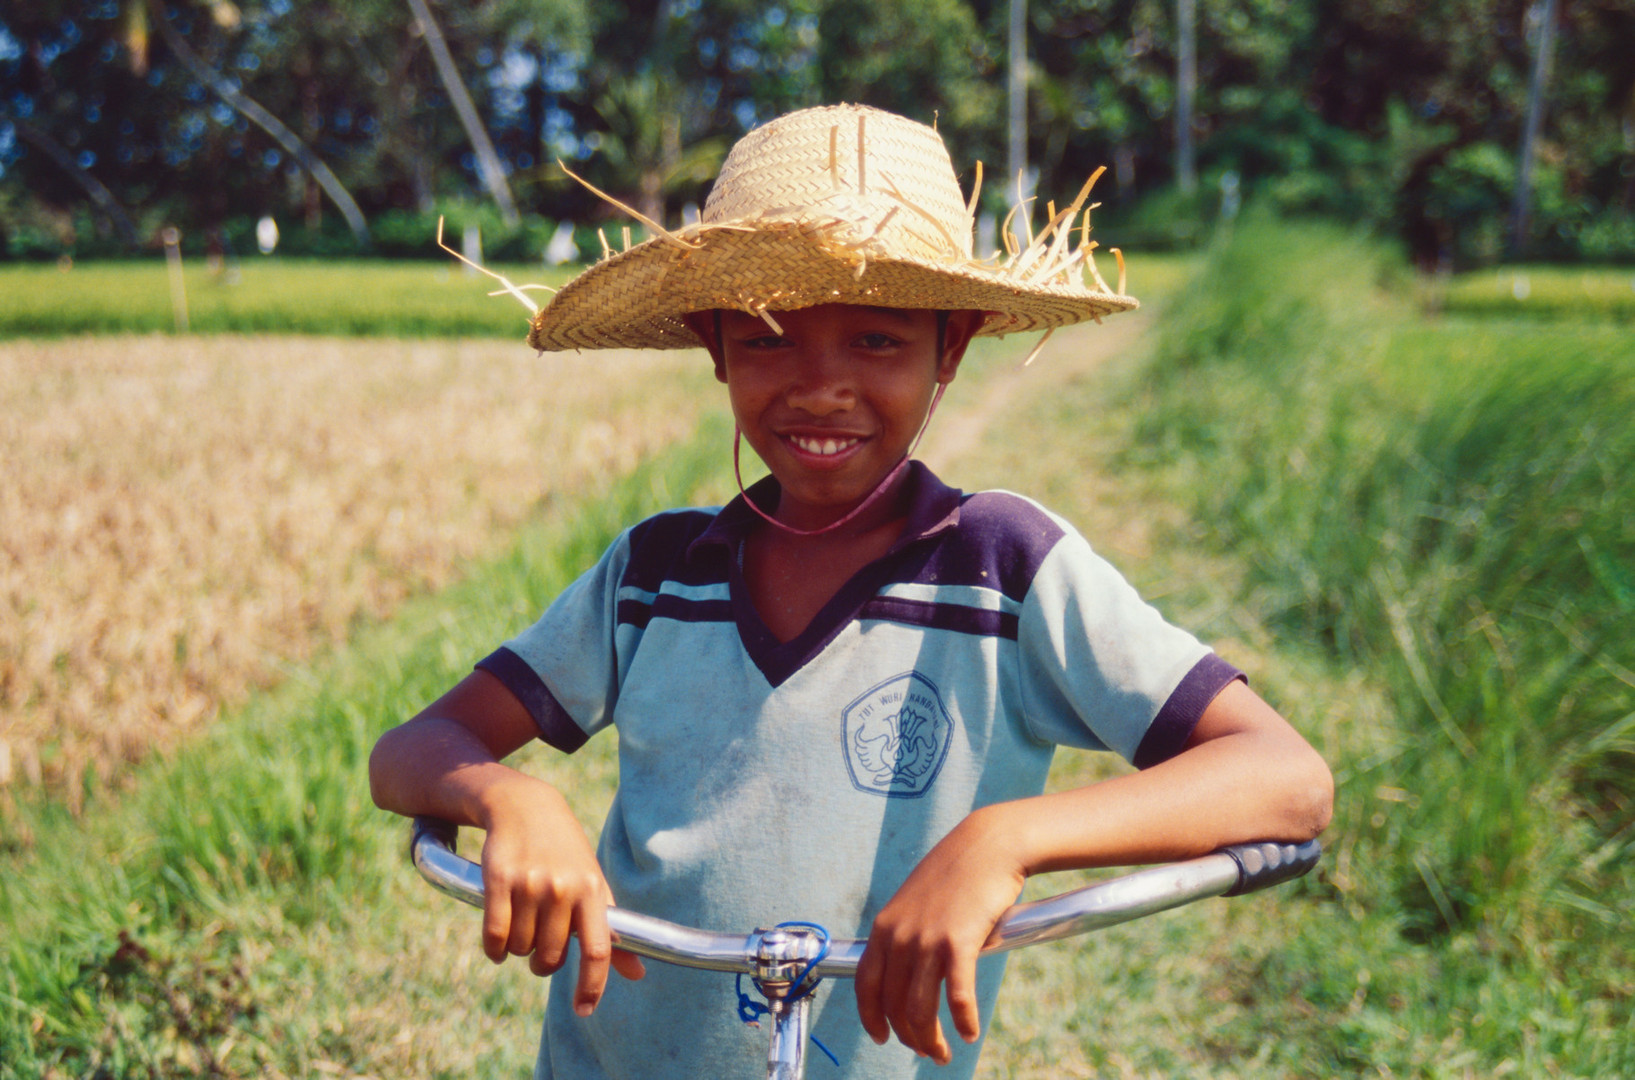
x=541, y=881
x=1245, y=775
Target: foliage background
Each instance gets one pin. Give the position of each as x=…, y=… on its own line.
x=1407, y=116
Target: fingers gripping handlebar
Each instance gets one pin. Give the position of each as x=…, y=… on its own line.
x=786, y=961
x=1232, y=871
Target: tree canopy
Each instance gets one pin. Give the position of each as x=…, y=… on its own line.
x=118, y=117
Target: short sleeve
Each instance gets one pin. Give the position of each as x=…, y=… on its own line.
x=565, y=668
x=1101, y=668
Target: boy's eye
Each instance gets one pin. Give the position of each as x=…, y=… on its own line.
x=877, y=342
x=762, y=342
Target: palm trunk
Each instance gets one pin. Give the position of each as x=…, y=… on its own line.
x=1186, y=86
x=266, y=121
x=488, y=162
x=1016, y=156
x=100, y=195
x=1537, y=91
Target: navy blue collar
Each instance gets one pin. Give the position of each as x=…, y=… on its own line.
x=933, y=508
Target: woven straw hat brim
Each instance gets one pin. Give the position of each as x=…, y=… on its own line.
x=635, y=299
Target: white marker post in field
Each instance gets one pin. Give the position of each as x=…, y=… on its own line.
x=178, y=288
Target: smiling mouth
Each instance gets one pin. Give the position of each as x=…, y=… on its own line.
x=824, y=447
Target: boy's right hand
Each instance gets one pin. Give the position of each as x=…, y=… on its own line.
x=541, y=881
x=541, y=885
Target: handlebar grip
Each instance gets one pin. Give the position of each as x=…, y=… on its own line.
x=444, y=832
x=1260, y=866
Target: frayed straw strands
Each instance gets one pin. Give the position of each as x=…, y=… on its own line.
x=799, y=218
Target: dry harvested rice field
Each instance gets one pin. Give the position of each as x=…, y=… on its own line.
x=182, y=516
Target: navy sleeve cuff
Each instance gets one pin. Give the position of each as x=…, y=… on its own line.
x=1173, y=725
x=555, y=726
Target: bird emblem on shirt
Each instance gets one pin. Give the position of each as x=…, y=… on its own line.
x=897, y=736
x=903, y=743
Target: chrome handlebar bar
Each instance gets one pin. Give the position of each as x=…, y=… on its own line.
x=1232, y=871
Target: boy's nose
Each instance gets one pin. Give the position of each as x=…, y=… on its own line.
x=821, y=386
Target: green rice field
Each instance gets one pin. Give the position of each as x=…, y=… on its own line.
x=1544, y=292
x=268, y=295
x=276, y=295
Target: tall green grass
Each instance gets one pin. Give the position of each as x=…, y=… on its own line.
x=1450, y=510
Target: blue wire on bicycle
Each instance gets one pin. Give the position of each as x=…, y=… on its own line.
x=750, y=1011
x=830, y=1054
x=823, y=951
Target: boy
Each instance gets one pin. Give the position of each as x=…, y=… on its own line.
x=837, y=697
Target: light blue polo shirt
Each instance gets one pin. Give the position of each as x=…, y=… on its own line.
x=762, y=781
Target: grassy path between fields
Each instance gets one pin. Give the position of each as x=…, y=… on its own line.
x=1415, y=534
x=1154, y=997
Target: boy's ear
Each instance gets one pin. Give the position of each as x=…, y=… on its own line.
x=962, y=327
x=704, y=324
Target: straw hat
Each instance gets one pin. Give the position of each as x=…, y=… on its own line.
x=839, y=204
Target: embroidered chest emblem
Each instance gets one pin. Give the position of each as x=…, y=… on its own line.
x=896, y=736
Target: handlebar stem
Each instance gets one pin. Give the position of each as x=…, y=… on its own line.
x=786, y=1053
x=785, y=976
x=783, y=955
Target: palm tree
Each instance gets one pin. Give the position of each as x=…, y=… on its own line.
x=641, y=144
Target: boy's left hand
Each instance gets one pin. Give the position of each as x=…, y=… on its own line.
x=931, y=932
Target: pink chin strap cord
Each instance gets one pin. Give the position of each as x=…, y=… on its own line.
x=886, y=482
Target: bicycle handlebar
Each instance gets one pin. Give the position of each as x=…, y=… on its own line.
x=1232, y=871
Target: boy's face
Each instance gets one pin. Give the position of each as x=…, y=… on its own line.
x=834, y=402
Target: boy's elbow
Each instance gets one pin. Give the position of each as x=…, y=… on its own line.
x=1310, y=804
x=381, y=771
x=376, y=781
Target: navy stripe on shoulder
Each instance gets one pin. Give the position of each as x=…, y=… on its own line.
x=555, y=726
x=658, y=552
x=1173, y=725
x=957, y=618
x=681, y=609
x=1001, y=541
x=639, y=613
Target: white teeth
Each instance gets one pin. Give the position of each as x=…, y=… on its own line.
x=822, y=447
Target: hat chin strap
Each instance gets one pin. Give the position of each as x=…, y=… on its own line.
x=879, y=489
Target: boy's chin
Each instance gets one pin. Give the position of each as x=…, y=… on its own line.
x=820, y=504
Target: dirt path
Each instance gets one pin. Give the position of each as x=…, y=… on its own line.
x=1068, y=354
